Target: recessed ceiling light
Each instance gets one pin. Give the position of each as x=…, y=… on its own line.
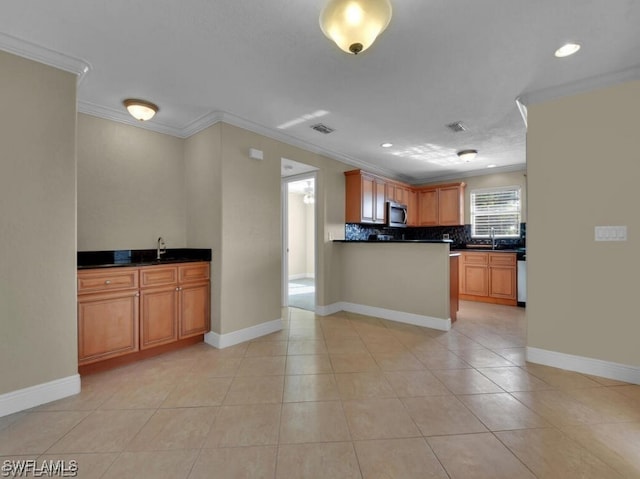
x=567, y=49
x=491, y=166
x=386, y=145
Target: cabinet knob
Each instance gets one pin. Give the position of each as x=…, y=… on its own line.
x=107, y=281
x=137, y=295
x=177, y=289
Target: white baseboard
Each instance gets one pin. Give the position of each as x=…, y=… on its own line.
x=390, y=314
x=301, y=276
x=329, y=309
x=33, y=396
x=221, y=341
x=581, y=364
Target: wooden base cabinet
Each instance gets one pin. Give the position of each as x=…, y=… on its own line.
x=107, y=325
x=489, y=277
x=125, y=311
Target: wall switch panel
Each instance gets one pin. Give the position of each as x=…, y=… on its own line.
x=611, y=233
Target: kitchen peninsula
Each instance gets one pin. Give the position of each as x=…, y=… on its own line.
x=404, y=281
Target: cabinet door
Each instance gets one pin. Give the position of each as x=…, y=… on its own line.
x=502, y=282
x=450, y=206
x=194, y=309
x=428, y=208
x=368, y=199
x=476, y=280
x=380, y=201
x=412, y=208
x=107, y=325
x=158, y=316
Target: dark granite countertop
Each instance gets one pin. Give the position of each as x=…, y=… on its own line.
x=139, y=257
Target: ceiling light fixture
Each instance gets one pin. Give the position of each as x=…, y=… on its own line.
x=387, y=145
x=467, y=155
x=355, y=24
x=567, y=49
x=309, y=198
x=140, y=109
x=491, y=166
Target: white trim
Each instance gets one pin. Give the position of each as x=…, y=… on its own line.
x=33, y=396
x=581, y=86
x=581, y=364
x=121, y=115
x=469, y=174
x=301, y=276
x=328, y=309
x=45, y=55
x=390, y=314
x=222, y=341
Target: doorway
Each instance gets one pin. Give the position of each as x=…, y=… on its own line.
x=299, y=241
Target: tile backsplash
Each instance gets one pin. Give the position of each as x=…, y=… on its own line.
x=460, y=235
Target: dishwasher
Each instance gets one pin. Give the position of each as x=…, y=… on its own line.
x=522, y=278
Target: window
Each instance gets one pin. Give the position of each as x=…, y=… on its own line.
x=497, y=208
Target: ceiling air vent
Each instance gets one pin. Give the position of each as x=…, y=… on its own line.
x=457, y=127
x=322, y=128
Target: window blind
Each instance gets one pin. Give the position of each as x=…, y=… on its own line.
x=496, y=208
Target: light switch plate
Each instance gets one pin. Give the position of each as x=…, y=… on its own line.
x=611, y=233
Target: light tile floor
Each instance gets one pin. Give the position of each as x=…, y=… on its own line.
x=339, y=397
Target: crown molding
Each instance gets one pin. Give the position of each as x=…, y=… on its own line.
x=41, y=54
x=305, y=145
x=122, y=116
x=581, y=86
x=469, y=174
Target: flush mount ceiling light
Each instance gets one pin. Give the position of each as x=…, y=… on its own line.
x=567, y=49
x=355, y=24
x=140, y=109
x=467, y=155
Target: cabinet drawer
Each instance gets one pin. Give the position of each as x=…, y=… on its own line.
x=502, y=259
x=476, y=258
x=158, y=276
x=190, y=272
x=98, y=280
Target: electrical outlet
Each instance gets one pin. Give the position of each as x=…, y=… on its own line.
x=445, y=236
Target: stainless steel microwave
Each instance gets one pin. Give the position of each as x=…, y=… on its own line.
x=396, y=214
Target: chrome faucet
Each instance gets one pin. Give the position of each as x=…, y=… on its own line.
x=493, y=237
x=162, y=248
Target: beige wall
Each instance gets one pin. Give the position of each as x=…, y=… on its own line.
x=251, y=231
x=301, y=228
x=583, y=171
x=203, y=179
x=422, y=288
x=515, y=178
x=131, y=187
x=38, y=341
x=297, y=235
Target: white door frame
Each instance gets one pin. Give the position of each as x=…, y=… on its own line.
x=311, y=175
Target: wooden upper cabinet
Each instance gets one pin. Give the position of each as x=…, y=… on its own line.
x=412, y=208
x=441, y=205
x=428, y=207
x=365, y=198
x=451, y=205
x=367, y=194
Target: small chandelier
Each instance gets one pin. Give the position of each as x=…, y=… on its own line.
x=308, y=198
x=140, y=109
x=355, y=24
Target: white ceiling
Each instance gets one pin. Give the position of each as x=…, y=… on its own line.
x=265, y=64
